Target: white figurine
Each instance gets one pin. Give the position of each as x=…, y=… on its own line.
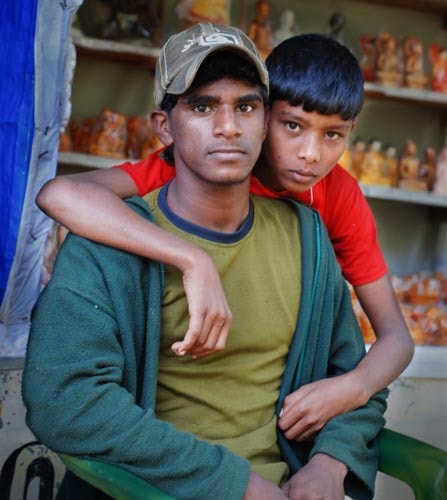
x=286, y=27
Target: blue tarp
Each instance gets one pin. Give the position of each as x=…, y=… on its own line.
x=17, y=22
x=36, y=63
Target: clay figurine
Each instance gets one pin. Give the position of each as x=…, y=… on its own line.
x=438, y=57
x=190, y=12
x=372, y=165
x=259, y=29
x=427, y=170
x=389, y=65
x=440, y=185
x=109, y=137
x=286, y=27
x=337, y=24
x=415, y=77
x=391, y=164
x=358, y=149
x=409, y=165
x=368, y=57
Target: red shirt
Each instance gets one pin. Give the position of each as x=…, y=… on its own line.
x=337, y=197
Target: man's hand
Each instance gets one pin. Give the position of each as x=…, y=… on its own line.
x=210, y=316
x=321, y=478
x=308, y=409
x=260, y=489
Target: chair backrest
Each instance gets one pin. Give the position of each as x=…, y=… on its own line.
x=422, y=466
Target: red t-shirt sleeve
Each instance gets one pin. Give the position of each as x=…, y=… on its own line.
x=352, y=228
x=150, y=173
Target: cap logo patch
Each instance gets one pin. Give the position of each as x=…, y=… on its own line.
x=211, y=39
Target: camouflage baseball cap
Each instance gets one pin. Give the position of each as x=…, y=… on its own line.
x=182, y=55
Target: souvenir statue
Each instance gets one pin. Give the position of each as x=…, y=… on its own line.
x=80, y=131
x=409, y=165
x=389, y=64
x=345, y=161
x=368, y=57
x=373, y=164
x=415, y=77
x=438, y=57
x=122, y=19
x=391, y=164
x=357, y=153
x=337, y=27
x=286, y=27
x=440, y=185
x=427, y=170
x=259, y=29
x=109, y=137
x=191, y=12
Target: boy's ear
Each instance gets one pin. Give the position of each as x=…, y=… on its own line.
x=160, y=124
x=352, y=125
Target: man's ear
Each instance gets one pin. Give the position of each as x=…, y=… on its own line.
x=161, y=126
x=266, y=122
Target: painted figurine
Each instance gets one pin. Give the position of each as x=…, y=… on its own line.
x=438, y=57
x=286, y=27
x=427, y=170
x=389, y=65
x=372, y=165
x=368, y=57
x=259, y=29
x=415, y=77
x=440, y=185
x=409, y=165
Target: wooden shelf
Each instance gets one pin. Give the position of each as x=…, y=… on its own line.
x=89, y=161
x=116, y=51
x=429, y=6
x=404, y=195
x=426, y=97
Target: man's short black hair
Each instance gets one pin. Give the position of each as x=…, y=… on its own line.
x=318, y=73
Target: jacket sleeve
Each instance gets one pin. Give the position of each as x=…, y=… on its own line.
x=351, y=437
x=81, y=396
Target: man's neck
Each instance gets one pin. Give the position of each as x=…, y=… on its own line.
x=219, y=208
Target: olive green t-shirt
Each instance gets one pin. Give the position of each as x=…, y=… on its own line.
x=229, y=397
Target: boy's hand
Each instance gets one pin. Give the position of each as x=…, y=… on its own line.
x=259, y=488
x=210, y=316
x=308, y=409
x=322, y=477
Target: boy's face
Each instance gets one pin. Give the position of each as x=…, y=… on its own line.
x=217, y=131
x=301, y=147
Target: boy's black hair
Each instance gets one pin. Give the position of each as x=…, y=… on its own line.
x=318, y=73
x=219, y=64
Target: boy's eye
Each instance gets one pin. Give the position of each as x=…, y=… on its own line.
x=293, y=126
x=333, y=136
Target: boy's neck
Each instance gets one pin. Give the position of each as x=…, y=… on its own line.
x=218, y=208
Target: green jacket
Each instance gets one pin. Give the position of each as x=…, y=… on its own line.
x=107, y=303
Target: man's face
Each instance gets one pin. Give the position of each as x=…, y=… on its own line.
x=301, y=148
x=217, y=131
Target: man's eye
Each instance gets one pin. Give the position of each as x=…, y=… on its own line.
x=246, y=108
x=202, y=108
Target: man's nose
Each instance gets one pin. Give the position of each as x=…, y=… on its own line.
x=227, y=122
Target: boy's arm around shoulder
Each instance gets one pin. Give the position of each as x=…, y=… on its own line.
x=90, y=375
x=335, y=346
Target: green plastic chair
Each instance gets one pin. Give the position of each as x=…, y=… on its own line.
x=422, y=466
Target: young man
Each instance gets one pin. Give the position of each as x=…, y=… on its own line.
x=100, y=377
x=316, y=94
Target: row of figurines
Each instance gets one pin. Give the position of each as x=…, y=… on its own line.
x=372, y=163
x=110, y=134
x=388, y=62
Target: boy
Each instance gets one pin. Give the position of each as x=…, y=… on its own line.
x=316, y=93
x=100, y=377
